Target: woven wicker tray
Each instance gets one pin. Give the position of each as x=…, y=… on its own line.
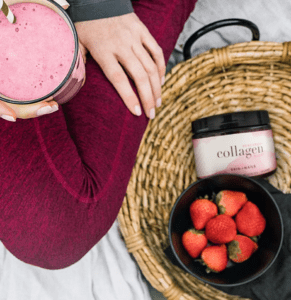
x=247, y=76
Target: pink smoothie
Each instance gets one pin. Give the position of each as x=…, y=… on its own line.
x=36, y=52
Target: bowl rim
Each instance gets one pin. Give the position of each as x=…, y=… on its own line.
x=208, y=281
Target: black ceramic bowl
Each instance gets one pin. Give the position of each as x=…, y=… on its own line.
x=269, y=242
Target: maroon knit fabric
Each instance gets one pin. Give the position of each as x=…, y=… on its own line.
x=64, y=176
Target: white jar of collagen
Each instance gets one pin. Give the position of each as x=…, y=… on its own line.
x=237, y=143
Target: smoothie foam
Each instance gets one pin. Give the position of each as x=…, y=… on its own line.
x=36, y=52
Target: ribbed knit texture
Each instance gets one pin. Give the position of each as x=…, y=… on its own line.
x=64, y=175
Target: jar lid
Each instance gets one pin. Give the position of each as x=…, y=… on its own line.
x=231, y=120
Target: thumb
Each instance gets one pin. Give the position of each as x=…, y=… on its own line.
x=83, y=51
x=63, y=3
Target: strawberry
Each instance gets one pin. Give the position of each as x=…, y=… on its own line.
x=241, y=248
x=201, y=211
x=250, y=221
x=220, y=229
x=194, y=242
x=230, y=202
x=215, y=258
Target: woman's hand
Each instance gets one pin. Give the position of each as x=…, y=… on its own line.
x=10, y=112
x=123, y=45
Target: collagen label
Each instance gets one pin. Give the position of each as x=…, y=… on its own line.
x=249, y=153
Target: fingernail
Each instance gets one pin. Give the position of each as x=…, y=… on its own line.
x=159, y=102
x=55, y=108
x=152, y=113
x=45, y=110
x=8, y=118
x=137, y=110
x=163, y=80
x=63, y=3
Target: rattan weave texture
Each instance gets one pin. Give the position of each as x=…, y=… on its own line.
x=247, y=76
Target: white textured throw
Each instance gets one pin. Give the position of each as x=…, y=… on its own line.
x=273, y=18
x=106, y=272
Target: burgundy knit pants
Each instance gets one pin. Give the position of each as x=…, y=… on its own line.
x=63, y=176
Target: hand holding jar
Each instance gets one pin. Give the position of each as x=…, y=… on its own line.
x=40, y=68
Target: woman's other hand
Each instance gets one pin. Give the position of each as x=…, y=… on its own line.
x=123, y=46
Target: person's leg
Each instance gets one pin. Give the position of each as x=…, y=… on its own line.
x=64, y=176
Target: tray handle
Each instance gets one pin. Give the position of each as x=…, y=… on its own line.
x=215, y=25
